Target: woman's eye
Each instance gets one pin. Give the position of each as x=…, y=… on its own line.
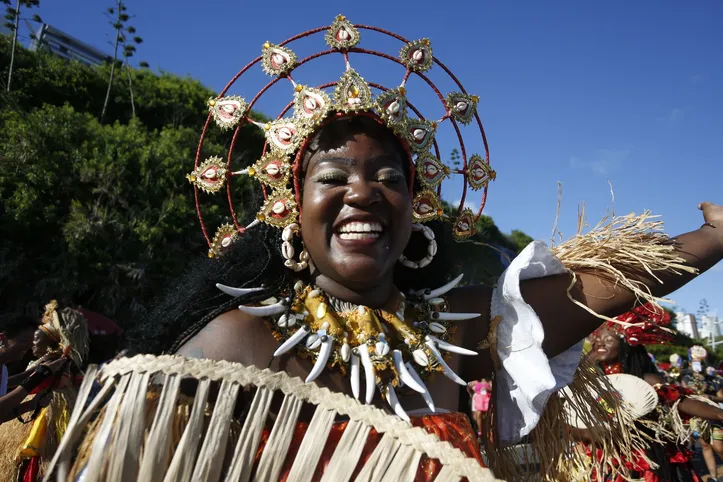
x=331, y=178
x=389, y=177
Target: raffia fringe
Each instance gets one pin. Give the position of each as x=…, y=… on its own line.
x=184, y=440
x=553, y=455
x=620, y=249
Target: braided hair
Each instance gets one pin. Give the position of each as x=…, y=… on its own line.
x=255, y=260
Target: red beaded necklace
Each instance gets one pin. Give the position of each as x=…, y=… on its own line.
x=610, y=368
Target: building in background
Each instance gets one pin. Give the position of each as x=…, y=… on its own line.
x=50, y=39
x=710, y=328
x=686, y=324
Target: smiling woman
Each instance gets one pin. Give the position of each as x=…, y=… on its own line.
x=343, y=277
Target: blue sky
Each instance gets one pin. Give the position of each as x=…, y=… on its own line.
x=575, y=92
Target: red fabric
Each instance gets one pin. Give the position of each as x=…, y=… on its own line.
x=30, y=470
x=448, y=427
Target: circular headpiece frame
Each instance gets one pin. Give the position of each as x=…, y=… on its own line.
x=279, y=166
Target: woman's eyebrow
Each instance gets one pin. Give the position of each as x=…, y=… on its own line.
x=347, y=161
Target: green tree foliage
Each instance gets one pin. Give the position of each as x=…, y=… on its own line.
x=100, y=214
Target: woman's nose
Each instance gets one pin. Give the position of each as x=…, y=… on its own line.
x=362, y=193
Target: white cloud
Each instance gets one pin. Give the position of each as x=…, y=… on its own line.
x=603, y=161
x=469, y=205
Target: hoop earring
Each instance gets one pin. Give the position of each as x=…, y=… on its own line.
x=288, y=251
x=431, y=248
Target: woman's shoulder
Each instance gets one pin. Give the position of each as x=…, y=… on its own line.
x=232, y=336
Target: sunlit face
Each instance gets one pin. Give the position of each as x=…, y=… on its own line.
x=41, y=343
x=356, y=209
x=605, y=346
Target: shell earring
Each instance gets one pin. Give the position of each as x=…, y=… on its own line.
x=288, y=251
x=431, y=248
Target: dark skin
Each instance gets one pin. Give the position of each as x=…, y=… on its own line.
x=363, y=274
x=41, y=343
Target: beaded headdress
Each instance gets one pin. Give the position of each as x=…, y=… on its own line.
x=279, y=167
x=644, y=325
x=69, y=329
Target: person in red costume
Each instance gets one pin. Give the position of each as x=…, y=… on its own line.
x=617, y=349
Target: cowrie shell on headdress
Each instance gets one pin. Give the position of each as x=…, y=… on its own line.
x=273, y=169
x=209, y=176
x=311, y=106
x=392, y=108
x=464, y=225
x=420, y=134
x=479, y=173
x=352, y=93
x=430, y=170
x=417, y=55
x=225, y=235
x=342, y=34
x=227, y=111
x=462, y=107
x=426, y=207
x=279, y=209
x=276, y=60
x=283, y=135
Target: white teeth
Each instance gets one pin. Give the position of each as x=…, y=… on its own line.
x=357, y=227
x=358, y=235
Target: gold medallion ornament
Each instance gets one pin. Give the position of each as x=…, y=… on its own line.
x=420, y=135
x=228, y=111
x=311, y=106
x=464, y=225
x=462, y=107
x=352, y=93
x=392, y=108
x=210, y=175
x=284, y=135
x=426, y=207
x=430, y=170
x=272, y=170
x=277, y=60
x=479, y=173
x=342, y=35
x=279, y=209
x=224, y=237
x=417, y=55
x=394, y=349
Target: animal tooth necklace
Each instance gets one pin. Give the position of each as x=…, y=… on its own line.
x=352, y=337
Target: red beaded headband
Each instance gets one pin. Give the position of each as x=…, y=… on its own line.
x=644, y=325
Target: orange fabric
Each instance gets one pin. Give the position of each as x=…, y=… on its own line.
x=454, y=428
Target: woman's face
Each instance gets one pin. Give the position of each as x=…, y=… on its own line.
x=41, y=343
x=605, y=346
x=356, y=210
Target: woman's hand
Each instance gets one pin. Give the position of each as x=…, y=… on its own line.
x=713, y=214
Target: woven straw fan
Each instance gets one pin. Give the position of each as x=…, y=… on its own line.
x=188, y=440
x=637, y=397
